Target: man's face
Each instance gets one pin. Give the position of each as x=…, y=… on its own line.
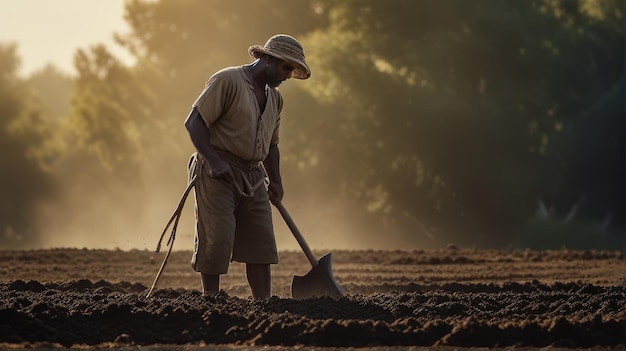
x=277, y=72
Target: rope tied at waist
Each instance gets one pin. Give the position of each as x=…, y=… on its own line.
x=241, y=169
x=237, y=161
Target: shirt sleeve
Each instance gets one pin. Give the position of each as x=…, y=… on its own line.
x=214, y=99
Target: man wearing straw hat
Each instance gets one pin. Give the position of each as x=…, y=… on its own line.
x=234, y=125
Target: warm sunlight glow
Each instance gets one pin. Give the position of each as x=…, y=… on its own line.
x=51, y=31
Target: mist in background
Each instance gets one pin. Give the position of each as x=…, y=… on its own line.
x=492, y=124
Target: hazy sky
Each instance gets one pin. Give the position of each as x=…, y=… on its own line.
x=51, y=30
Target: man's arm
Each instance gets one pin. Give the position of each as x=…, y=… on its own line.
x=272, y=167
x=199, y=134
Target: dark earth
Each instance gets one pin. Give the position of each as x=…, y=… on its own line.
x=90, y=299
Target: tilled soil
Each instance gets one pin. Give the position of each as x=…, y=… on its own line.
x=451, y=297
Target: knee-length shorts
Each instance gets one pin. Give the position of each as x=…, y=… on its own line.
x=231, y=224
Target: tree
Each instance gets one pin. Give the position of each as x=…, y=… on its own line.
x=178, y=45
x=23, y=184
x=126, y=144
x=452, y=109
x=428, y=121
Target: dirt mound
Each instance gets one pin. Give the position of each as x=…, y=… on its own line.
x=396, y=302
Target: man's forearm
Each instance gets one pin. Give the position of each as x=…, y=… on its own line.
x=200, y=137
x=199, y=134
x=272, y=164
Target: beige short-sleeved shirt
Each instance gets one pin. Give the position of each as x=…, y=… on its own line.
x=232, y=113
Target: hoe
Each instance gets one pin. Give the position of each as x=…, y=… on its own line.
x=319, y=282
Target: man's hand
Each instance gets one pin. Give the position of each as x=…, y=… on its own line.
x=199, y=133
x=218, y=169
x=275, y=192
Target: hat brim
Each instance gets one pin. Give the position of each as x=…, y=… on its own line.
x=301, y=69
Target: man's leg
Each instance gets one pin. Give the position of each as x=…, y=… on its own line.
x=254, y=238
x=210, y=283
x=215, y=226
x=260, y=280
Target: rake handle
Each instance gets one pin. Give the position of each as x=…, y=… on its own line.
x=296, y=233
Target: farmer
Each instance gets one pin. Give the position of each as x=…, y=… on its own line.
x=234, y=125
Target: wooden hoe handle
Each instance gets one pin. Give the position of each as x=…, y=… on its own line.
x=296, y=233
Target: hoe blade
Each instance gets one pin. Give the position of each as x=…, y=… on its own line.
x=319, y=282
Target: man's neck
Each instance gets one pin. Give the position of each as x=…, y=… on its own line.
x=257, y=74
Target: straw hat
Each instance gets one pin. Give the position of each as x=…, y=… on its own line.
x=286, y=48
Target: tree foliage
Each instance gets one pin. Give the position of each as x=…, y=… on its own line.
x=108, y=114
x=428, y=121
x=23, y=184
x=457, y=112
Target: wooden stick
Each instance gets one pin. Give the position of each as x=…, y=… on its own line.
x=175, y=218
x=294, y=229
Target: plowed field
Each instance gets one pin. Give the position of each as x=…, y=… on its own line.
x=441, y=299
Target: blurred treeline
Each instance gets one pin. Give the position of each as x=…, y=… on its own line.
x=487, y=123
